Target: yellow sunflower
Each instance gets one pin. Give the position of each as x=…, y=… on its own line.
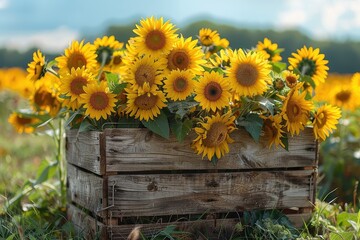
x=144, y=70
x=185, y=55
x=116, y=63
x=249, y=73
x=36, y=69
x=212, y=91
x=154, y=36
x=21, y=123
x=310, y=62
x=213, y=135
x=296, y=110
x=208, y=37
x=273, y=130
x=222, y=59
x=145, y=105
x=77, y=55
x=355, y=80
x=325, y=120
x=270, y=50
x=179, y=85
x=291, y=79
x=98, y=101
x=73, y=83
x=105, y=47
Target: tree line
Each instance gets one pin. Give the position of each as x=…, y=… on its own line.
x=344, y=57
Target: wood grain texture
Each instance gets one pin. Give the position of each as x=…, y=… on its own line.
x=85, y=189
x=178, y=194
x=138, y=149
x=85, y=225
x=83, y=150
x=92, y=229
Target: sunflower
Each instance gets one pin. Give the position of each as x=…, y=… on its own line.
x=291, y=79
x=273, y=130
x=116, y=63
x=248, y=74
x=73, y=83
x=222, y=59
x=144, y=70
x=310, y=62
x=355, y=80
x=77, y=55
x=270, y=50
x=325, y=120
x=154, y=36
x=213, y=135
x=98, y=101
x=105, y=47
x=212, y=91
x=179, y=85
x=185, y=55
x=296, y=110
x=145, y=105
x=37, y=68
x=21, y=123
x=208, y=37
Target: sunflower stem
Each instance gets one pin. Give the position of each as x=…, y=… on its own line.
x=104, y=56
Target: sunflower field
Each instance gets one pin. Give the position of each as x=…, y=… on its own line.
x=175, y=85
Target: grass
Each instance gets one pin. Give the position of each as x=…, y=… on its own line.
x=40, y=215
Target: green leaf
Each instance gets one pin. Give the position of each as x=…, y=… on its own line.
x=160, y=125
x=253, y=124
x=181, y=108
x=214, y=160
x=113, y=83
x=46, y=171
x=181, y=129
x=72, y=117
x=11, y=237
x=341, y=236
x=85, y=126
x=309, y=80
x=344, y=218
x=266, y=104
x=278, y=67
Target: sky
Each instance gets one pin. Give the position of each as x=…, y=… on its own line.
x=52, y=24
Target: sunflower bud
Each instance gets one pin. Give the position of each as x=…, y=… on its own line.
x=279, y=84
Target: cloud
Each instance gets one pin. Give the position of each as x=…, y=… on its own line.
x=322, y=18
x=49, y=41
x=3, y=4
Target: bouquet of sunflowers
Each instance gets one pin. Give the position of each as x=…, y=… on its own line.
x=168, y=83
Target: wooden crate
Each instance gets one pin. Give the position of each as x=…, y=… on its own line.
x=122, y=178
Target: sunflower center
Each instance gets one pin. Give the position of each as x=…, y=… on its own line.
x=23, y=120
x=178, y=59
x=246, y=74
x=77, y=84
x=269, y=129
x=180, y=84
x=307, y=67
x=343, y=96
x=216, y=135
x=145, y=102
x=145, y=73
x=76, y=60
x=104, y=55
x=321, y=119
x=213, y=91
x=99, y=100
x=293, y=111
x=155, y=40
x=291, y=80
x=43, y=98
x=117, y=60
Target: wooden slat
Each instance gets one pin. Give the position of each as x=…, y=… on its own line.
x=85, y=225
x=138, y=149
x=86, y=189
x=83, y=150
x=174, y=194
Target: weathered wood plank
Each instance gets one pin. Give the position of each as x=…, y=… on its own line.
x=174, y=194
x=128, y=149
x=83, y=150
x=85, y=225
x=86, y=189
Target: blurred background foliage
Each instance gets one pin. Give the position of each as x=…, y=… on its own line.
x=338, y=53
